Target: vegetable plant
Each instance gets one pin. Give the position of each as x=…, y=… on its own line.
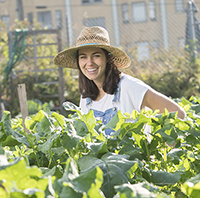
x=148, y=154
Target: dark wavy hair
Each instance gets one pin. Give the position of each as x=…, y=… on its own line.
x=88, y=88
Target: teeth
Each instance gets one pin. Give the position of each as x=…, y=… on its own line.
x=91, y=70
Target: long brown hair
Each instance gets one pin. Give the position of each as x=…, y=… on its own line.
x=88, y=88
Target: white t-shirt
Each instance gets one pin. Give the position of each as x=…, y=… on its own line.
x=132, y=91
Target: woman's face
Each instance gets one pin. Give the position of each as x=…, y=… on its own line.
x=92, y=62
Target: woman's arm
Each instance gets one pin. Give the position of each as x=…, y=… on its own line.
x=155, y=100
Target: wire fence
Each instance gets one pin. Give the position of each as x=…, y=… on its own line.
x=153, y=33
x=154, y=38
x=147, y=32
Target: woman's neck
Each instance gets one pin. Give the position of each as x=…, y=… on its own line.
x=101, y=94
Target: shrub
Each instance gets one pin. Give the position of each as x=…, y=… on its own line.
x=172, y=73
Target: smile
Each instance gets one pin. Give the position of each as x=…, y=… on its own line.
x=92, y=70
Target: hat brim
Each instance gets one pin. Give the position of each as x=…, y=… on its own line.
x=67, y=58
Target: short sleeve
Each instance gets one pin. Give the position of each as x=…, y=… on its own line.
x=132, y=93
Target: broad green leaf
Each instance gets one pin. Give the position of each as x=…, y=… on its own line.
x=10, y=141
x=192, y=187
x=23, y=140
x=182, y=125
x=46, y=125
x=163, y=178
x=83, y=182
x=70, y=141
x=30, y=122
x=69, y=106
x=135, y=114
x=114, y=169
x=69, y=192
x=129, y=149
x=134, y=190
x=192, y=139
x=75, y=185
x=31, y=139
x=6, y=126
x=186, y=164
x=8, y=136
x=71, y=171
x=116, y=122
x=3, y=192
x=55, y=171
x=6, y=123
x=60, y=119
x=192, y=98
x=168, y=134
x=196, y=108
x=39, y=159
x=24, y=177
x=95, y=191
x=58, y=150
x=144, y=119
x=80, y=128
x=90, y=122
x=46, y=172
x=175, y=155
x=89, y=161
x=101, y=137
x=132, y=170
x=135, y=128
x=97, y=148
x=47, y=145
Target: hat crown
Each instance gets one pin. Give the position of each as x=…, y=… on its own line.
x=93, y=35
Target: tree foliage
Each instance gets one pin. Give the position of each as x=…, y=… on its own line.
x=23, y=72
x=173, y=73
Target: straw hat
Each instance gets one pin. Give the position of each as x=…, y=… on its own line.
x=92, y=37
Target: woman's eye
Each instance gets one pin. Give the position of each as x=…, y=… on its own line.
x=82, y=57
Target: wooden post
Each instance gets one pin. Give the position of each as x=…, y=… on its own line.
x=23, y=103
x=2, y=109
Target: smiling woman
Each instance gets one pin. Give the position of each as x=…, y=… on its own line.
x=104, y=89
x=92, y=63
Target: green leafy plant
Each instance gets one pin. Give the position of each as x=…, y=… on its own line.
x=72, y=157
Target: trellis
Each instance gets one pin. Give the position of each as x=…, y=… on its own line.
x=36, y=70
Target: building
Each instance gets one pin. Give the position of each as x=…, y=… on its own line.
x=144, y=24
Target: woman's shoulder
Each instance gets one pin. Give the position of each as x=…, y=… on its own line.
x=129, y=81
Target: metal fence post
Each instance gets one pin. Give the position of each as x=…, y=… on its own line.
x=115, y=23
x=164, y=24
x=191, y=27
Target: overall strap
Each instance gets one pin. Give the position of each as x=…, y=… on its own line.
x=88, y=100
x=117, y=92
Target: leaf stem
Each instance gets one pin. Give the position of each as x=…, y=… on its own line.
x=37, y=159
x=148, y=155
x=165, y=157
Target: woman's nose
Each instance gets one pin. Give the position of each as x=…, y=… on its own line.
x=89, y=61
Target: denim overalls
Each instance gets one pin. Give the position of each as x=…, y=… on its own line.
x=109, y=113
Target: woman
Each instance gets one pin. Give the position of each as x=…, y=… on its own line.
x=104, y=89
